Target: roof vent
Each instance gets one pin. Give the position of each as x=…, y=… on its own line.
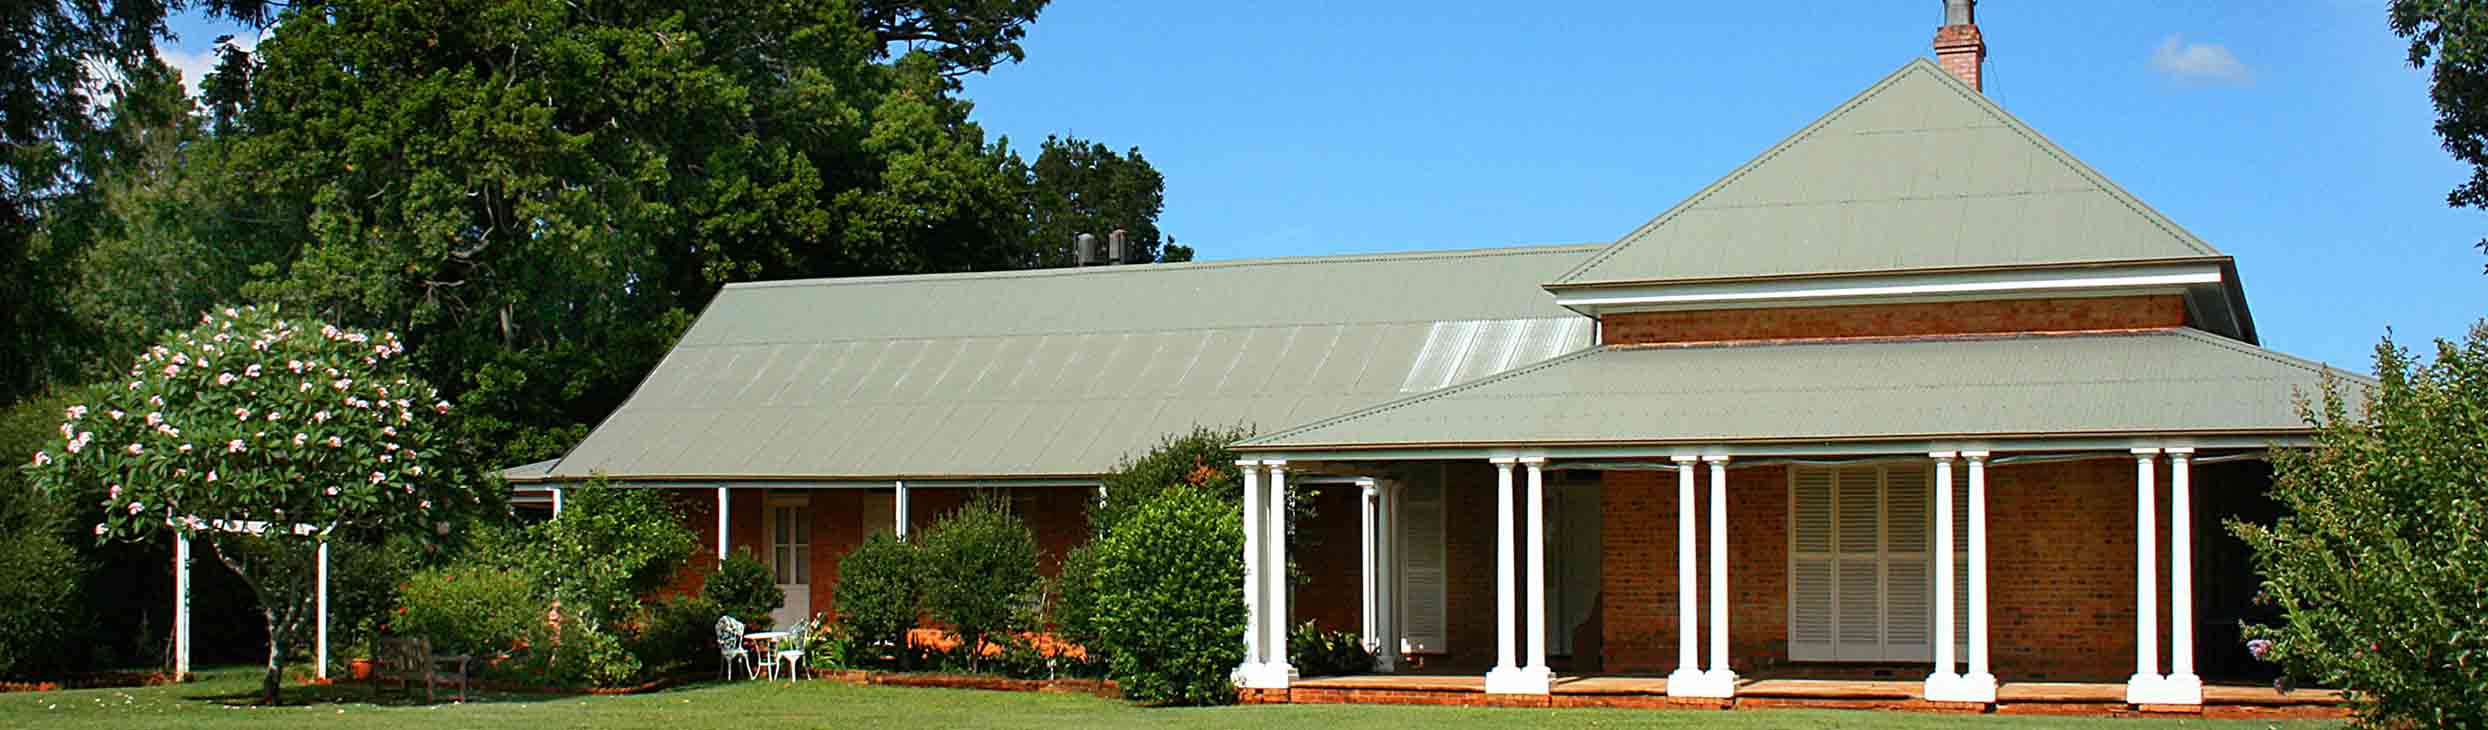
x=1085, y=248
x=1119, y=248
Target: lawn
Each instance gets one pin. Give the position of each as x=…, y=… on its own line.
x=222, y=697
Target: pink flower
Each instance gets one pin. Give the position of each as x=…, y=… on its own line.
x=320, y=417
x=114, y=493
x=384, y=458
x=388, y=430
x=116, y=415
x=241, y=414
x=342, y=383
x=225, y=378
x=77, y=412
x=425, y=504
x=185, y=448
x=272, y=415
x=155, y=418
x=190, y=521
x=134, y=384
x=234, y=447
x=100, y=529
x=172, y=370
x=42, y=458
x=306, y=387
x=136, y=449
x=252, y=371
x=211, y=476
x=442, y=406
x=301, y=437
x=416, y=470
x=79, y=444
x=334, y=442
x=137, y=507
x=332, y=491
x=377, y=477
x=294, y=365
x=69, y=431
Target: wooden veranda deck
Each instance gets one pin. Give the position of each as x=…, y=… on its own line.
x=1606, y=690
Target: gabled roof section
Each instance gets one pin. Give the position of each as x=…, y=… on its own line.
x=1062, y=373
x=2156, y=382
x=1918, y=172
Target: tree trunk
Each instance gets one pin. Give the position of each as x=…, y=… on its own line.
x=276, y=662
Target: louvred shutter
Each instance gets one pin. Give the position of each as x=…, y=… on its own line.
x=1811, y=629
x=1422, y=584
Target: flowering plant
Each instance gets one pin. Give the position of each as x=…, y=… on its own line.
x=262, y=434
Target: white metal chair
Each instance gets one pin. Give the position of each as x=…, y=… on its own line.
x=790, y=652
x=730, y=648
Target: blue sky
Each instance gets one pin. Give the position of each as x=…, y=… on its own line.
x=2290, y=135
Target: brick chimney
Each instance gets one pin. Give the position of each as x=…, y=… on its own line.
x=1958, y=47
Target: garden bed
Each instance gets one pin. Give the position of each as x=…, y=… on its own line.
x=92, y=680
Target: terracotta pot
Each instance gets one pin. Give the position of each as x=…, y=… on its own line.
x=359, y=668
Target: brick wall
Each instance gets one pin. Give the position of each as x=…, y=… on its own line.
x=2061, y=572
x=1329, y=551
x=1638, y=586
x=1896, y=320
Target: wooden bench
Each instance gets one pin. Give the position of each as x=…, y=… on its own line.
x=407, y=661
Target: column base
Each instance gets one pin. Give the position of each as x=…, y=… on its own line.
x=1980, y=687
x=1696, y=683
x=1266, y=675
x=1518, y=681
x=2183, y=689
x=2154, y=689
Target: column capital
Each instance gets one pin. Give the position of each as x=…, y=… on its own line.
x=1248, y=463
x=1503, y=461
x=1716, y=458
x=1684, y=458
x=2146, y=452
x=1533, y=460
x=1974, y=455
x=1274, y=463
x=1943, y=455
x=1369, y=487
x=2178, y=452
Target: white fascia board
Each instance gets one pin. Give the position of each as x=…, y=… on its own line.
x=1917, y=447
x=2154, y=278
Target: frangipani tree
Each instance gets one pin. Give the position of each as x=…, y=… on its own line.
x=261, y=435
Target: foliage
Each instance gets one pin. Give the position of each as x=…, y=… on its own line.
x=1199, y=460
x=1075, y=596
x=676, y=634
x=879, y=592
x=2377, y=565
x=980, y=571
x=287, y=429
x=744, y=588
x=364, y=581
x=1318, y=653
x=1170, y=599
x=572, y=653
x=609, y=546
x=469, y=608
x=1077, y=186
x=40, y=575
x=2453, y=35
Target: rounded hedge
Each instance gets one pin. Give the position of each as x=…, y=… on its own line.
x=1169, y=610
x=878, y=587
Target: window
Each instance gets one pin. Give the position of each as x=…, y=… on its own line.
x=1861, y=578
x=790, y=544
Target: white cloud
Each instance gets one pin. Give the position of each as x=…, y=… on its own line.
x=2198, y=62
x=195, y=63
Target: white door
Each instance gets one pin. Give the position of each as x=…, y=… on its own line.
x=790, y=557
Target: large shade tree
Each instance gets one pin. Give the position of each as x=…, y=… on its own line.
x=261, y=435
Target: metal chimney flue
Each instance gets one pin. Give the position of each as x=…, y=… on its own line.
x=1118, y=247
x=1085, y=246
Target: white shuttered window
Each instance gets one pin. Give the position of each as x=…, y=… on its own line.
x=1421, y=570
x=1861, y=579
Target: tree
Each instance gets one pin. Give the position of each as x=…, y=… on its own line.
x=880, y=583
x=2453, y=35
x=964, y=37
x=610, y=546
x=1170, y=598
x=262, y=435
x=2377, y=565
x=1078, y=186
x=980, y=572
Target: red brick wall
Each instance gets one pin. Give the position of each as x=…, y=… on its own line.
x=2061, y=571
x=1896, y=320
x=1638, y=586
x=1329, y=551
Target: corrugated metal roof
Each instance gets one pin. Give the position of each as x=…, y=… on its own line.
x=1918, y=171
x=2165, y=381
x=530, y=472
x=1066, y=371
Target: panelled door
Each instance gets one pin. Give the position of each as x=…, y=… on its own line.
x=790, y=555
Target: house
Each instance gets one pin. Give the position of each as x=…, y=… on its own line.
x=1914, y=393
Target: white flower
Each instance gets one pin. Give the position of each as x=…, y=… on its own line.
x=320, y=417
x=306, y=387
x=211, y=475
x=230, y=313
x=294, y=365
x=181, y=359
x=137, y=507
x=384, y=458
x=377, y=477
x=155, y=418
x=114, y=493
x=155, y=400
x=388, y=430
x=234, y=446
x=334, y=442
x=332, y=491
x=425, y=504
x=272, y=416
x=225, y=378
x=172, y=370
x=100, y=529
x=136, y=449
x=69, y=431
x=134, y=384
x=301, y=437
x=342, y=383
x=416, y=470
x=442, y=406
x=42, y=458
x=241, y=414
x=185, y=448
x=116, y=415
x=79, y=444
x=252, y=371
x=77, y=412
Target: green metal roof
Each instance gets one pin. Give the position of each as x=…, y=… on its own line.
x=2158, y=382
x=1065, y=372
x=1919, y=171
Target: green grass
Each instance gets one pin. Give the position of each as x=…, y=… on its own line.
x=223, y=699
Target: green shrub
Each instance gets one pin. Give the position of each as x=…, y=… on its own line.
x=577, y=654
x=469, y=608
x=980, y=572
x=1199, y=459
x=39, y=602
x=2377, y=564
x=363, y=582
x=1075, y=597
x=878, y=595
x=609, y=546
x=1318, y=653
x=1170, y=599
x=746, y=589
x=676, y=634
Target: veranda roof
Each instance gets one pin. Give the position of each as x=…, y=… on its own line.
x=1064, y=372
x=1917, y=172
x=2164, y=382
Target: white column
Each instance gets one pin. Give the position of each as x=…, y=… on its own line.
x=319, y=663
x=557, y=501
x=2144, y=686
x=1940, y=683
x=898, y=509
x=725, y=508
x=1274, y=572
x=1386, y=549
x=1979, y=685
x=1686, y=681
x=181, y=607
x=1536, y=670
x=1369, y=618
x=1722, y=679
x=1250, y=671
x=1506, y=677
x=2182, y=684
